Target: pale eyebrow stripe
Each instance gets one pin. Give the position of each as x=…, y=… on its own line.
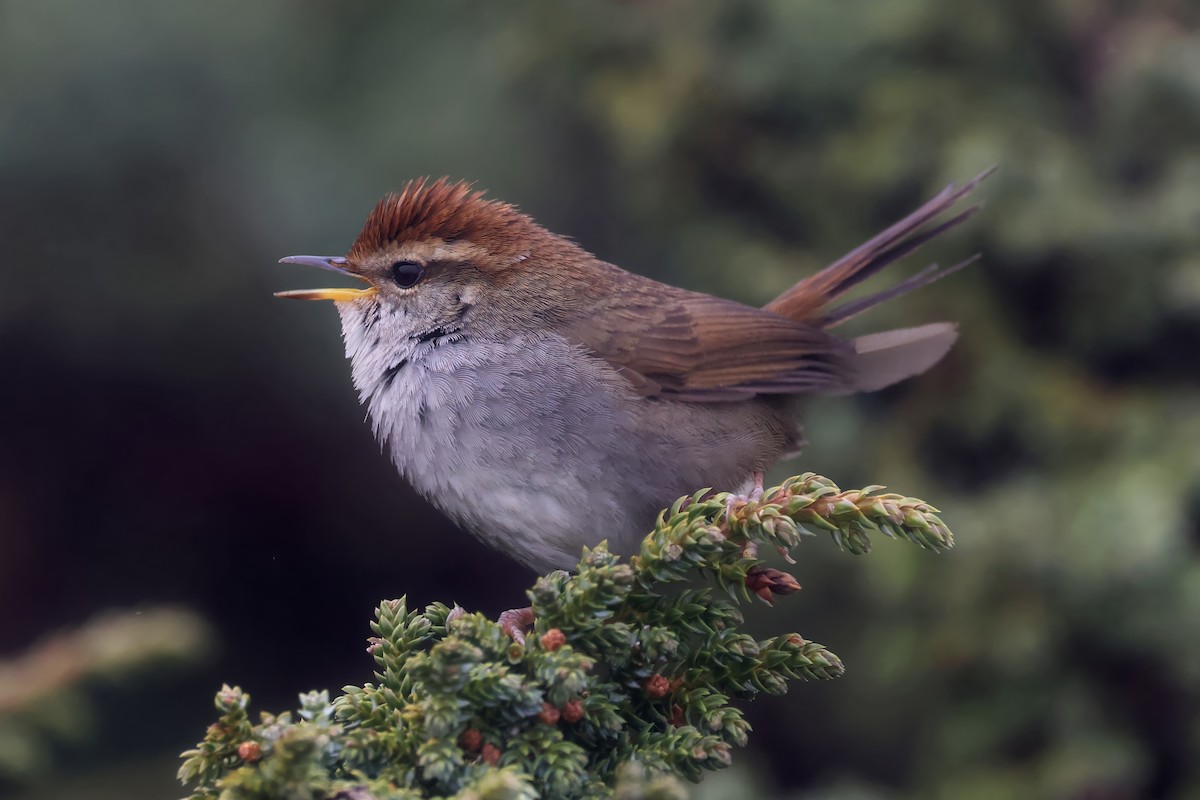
x=431, y=250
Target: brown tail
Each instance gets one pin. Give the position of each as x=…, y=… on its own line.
x=808, y=300
x=891, y=356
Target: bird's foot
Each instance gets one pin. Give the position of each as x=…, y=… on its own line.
x=754, y=496
x=757, y=492
x=515, y=622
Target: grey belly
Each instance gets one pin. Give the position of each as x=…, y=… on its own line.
x=540, y=461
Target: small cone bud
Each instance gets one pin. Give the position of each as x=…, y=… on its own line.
x=657, y=686
x=470, y=740
x=573, y=711
x=553, y=639
x=249, y=752
x=767, y=581
x=549, y=714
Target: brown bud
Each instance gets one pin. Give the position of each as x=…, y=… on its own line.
x=657, y=686
x=249, y=752
x=491, y=754
x=767, y=581
x=549, y=714
x=553, y=639
x=677, y=716
x=470, y=740
x=573, y=711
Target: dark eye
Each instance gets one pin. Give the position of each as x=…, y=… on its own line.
x=407, y=274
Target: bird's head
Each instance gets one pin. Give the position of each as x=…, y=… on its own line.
x=441, y=262
x=430, y=246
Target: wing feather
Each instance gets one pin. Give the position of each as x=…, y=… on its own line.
x=691, y=347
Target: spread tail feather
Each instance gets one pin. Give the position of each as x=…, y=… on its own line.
x=923, y=278
x=891, y=356
x=808, y=299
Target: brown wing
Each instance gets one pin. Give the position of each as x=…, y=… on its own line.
x=687, y=346
x=692, y=347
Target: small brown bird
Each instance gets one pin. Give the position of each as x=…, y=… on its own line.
x=545, y=400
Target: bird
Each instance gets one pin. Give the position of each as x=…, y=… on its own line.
x=545, y=400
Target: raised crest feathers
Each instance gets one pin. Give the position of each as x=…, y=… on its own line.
x=440, y=209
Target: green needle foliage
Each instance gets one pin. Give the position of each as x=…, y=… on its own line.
x=625, y=683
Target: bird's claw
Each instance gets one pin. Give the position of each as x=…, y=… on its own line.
x=515, y=622
x=754, y=496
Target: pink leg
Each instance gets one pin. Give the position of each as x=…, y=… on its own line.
x=755, y=494
x=515, y=622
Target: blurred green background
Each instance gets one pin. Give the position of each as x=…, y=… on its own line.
x=188, y=493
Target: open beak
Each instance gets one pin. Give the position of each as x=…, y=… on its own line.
x=333, y=263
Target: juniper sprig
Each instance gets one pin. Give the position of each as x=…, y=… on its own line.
x=626, y=683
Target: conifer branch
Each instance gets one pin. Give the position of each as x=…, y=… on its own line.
x=626, y=683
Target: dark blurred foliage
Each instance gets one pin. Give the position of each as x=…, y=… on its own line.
x=170, y=433
x=65, y=689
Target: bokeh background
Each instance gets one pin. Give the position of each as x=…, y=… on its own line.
x=189, y=495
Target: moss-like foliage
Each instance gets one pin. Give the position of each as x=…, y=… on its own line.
x=626, y=682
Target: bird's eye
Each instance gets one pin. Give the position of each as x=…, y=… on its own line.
x=406, y=274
